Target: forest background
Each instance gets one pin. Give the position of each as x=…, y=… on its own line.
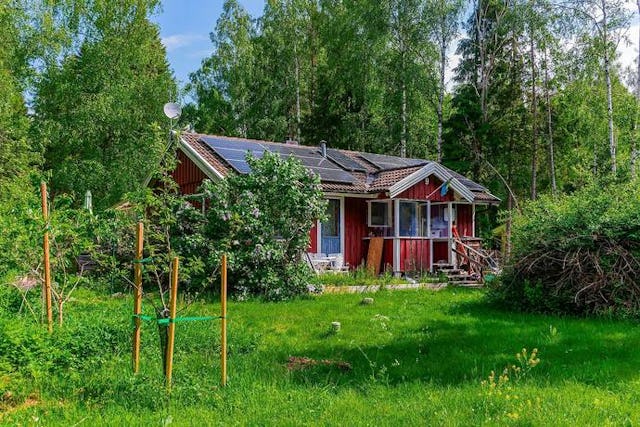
x=537, y=103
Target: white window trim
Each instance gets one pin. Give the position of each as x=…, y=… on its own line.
x=389, y=216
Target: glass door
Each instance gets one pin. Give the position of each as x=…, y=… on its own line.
x=330, y=229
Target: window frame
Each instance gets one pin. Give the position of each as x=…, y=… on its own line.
x=422, y=218
x=388, y=221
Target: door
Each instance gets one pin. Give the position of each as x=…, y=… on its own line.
x=330, y=229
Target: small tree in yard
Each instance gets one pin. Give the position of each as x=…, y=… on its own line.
x=71, y=236
x=262, y=220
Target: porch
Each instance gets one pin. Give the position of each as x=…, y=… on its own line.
x=418, y=236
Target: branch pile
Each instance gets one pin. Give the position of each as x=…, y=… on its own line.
x=577, y=254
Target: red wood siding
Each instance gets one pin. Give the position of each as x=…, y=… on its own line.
x=355, y=229
x=387, y=255
x=187, y=175
x=313, y=240
x=414, y=255
x=440, y=251
x=420, y=191
x=464, y=220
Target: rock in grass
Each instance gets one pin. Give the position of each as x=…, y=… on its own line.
x=366, y=301
x=335, y=326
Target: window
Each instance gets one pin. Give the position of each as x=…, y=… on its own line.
x=414, y=220
x=440, y=220
x=380, y=214
x=331, y=226
x=330, y=229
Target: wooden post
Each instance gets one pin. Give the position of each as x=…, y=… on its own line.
x=137, y=296
x=172, y=315
x=223, y=318
x=47, y=264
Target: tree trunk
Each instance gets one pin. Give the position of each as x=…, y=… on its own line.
x=443, y=62
x=403, y=136
x=163, y=333
x=552, y=162
x=534, y=123
x=297, y=75
x=60, y=308
x=634, y=142
x=607, y=72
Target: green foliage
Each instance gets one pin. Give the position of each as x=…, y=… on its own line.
x=293, y=73
x=172, y=228
x=262, y=220
x=21, y=224
x=99, y=112
x=416, y=357
x=358, y=277
x=578, y=253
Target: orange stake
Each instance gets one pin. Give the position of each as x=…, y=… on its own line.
x=47, y=264
x=223, y=317
x=137, y=296
x=172, y=315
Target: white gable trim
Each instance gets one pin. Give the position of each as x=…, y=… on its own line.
x=196, y=158
x=428, y=170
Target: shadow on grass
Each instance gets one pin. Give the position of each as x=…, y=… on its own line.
x=477, y=338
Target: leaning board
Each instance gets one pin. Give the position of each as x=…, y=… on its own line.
x=374, y=256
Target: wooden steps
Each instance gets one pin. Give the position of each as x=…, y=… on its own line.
x=457, y=277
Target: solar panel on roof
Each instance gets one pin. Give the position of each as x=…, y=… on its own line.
x=289, y=149
x=383, y=162
x=471, y=185
x=236, y=144
x=314, y=161
x=240, y=166
x=333, y=175
x=234, y=152
x=345, y=161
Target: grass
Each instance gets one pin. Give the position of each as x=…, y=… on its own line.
x=417, y=357
x=362, y=277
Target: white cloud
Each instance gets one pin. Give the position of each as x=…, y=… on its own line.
x=177, y=41
x=628, y=50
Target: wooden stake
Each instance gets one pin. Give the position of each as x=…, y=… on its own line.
x=47, y=264
x=223, y=318
x=137, y=296
x=172, y=315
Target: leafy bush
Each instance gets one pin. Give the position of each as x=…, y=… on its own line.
x=20, y=222
x=262, y=220
x=577, y=253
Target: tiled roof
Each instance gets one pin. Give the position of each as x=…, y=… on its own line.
x=375, y=180
x=193, y=139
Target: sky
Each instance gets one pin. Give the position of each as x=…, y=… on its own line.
x=185, y=26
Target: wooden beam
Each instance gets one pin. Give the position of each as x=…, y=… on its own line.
x=137, y=296
x=47, y=262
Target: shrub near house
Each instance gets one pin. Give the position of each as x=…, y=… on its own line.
x=262, y=220
x=577, y=253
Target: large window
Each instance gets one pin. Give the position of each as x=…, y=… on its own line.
x=380, y=214
x=440, y=220
x=414, y=220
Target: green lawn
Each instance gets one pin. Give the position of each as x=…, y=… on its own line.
x=417, y=357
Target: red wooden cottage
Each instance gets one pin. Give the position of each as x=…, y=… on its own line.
x=422, y=210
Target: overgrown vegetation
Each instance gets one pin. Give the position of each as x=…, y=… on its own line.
x=262, y=220
x=363, y=277
x=577, y=253
x=416, y=357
